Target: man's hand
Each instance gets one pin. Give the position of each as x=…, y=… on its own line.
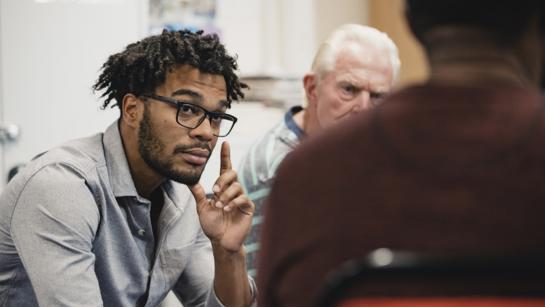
x=226, y=219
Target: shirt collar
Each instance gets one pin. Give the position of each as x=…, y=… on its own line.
x=116, y=163
x=291, y=124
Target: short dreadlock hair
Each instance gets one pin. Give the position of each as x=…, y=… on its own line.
x=143, y=65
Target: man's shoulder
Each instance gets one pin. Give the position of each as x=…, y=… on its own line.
x=74, y=159
x=81, y=154
x=259, y=164
x=268, y=150
x=67, y=170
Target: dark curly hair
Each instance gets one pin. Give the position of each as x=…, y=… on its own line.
x=143, y=65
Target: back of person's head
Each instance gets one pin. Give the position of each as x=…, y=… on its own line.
x=325, y=58
x=504, y=20
x=143, y=65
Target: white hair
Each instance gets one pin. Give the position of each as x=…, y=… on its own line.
x=325, y=58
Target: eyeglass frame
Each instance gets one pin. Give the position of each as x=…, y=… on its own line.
x=178, y=104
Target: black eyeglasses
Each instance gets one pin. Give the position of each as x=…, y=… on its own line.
x=191, y=115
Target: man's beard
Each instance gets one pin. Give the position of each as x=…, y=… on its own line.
x=151, y=147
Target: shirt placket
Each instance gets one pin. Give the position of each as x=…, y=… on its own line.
x=140, y=223
x=167, y=218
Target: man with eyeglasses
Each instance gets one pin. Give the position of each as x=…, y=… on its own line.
x=119, y=218
x=352, y=70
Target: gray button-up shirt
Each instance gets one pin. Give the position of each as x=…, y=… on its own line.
x=74, y=232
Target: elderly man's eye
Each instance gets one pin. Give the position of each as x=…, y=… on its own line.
x=376, y=98
x=349, y=89
x=375, y=95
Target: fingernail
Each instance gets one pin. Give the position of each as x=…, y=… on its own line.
x=216, y=188
x=227, y=208
x=219, y=204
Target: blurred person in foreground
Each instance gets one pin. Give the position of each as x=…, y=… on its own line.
x=455, y=165
x=119, y=218
x=352, y=70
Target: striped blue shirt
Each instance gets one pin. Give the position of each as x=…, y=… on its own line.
x=257, y=170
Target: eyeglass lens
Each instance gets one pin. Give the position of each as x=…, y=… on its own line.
x=192, y=116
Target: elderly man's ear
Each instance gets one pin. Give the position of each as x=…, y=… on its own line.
x=309, y=83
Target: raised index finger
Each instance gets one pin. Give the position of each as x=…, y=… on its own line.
x=225, y=158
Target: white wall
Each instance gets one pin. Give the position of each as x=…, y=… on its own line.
x=279, y=37
x=331, y=14
x=50, y=55
x=274, y=38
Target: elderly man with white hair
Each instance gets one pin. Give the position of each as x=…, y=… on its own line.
x=353, y=69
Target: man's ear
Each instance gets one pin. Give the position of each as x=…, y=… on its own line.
x=132, y=109
x=309, y=82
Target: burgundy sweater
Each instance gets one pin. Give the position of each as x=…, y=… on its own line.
x=433, y=169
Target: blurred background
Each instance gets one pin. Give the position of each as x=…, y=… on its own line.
x=51, y=52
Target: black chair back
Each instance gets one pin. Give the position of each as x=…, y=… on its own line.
x=403, y=275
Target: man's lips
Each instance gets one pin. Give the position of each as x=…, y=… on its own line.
x=196, y=156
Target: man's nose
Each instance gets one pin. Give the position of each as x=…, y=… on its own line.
x=204, y=130
x=362, y=102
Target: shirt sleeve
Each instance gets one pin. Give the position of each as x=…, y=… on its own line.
x=53, y=226
x=195, y=286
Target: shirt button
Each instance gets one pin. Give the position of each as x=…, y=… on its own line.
x=141, y=232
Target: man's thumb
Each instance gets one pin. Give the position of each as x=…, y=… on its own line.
x=198, y=192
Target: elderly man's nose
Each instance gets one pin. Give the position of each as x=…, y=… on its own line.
x=362, y=102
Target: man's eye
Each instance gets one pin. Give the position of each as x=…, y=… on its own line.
x=376, y=98
x=349, y=89
x=375, y=95
x=215, y=118
x=188, y=109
